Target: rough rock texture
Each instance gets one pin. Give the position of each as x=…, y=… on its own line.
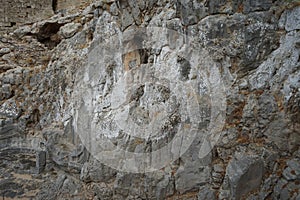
x=254, y=45
x=16, y=12
x=244, y=175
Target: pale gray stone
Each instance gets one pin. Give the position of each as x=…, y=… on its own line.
x=292, y=172
x=22, y=31
x=256, y=5
x=127, y=19
x=206, y=193
x=70, y=29
x=4, y=51
x=293, y=19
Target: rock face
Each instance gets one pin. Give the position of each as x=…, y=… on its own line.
x=14, y=13
x=65, y=5
x=150, y=99
x=245, y=175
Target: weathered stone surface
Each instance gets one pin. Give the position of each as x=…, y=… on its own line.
x=255, y=5
x=103, y=191
x=253, y=44
x=267, y=186
x=271, y=71
x=285, y=190
x=193, y=172
x=127, y=19
x=6, y=91
x=190, y=12
x=245, y=175
x=292, y=19
x=41, y=160
x=14, y=13
x=22, y=31
x=4, y=51
x=206, y=193
x=69, y=30
x=69, y=5
x=190, y=177
x=10, y=189
x=62, y=187
x=278, y=133
x=97, y=172
x=292, y=172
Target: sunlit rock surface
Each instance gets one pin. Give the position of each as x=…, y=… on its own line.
x=150, y=99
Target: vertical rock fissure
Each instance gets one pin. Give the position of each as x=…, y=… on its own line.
x=54, y=5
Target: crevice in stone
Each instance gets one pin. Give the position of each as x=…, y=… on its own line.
x=12, y=24
x=34, y=118
x=47, y=34
x=54, y=5
x=185, y=68
x=144, y=56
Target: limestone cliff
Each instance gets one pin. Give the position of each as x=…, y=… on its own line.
x=157, y=99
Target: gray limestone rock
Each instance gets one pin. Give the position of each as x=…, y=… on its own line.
x=292, y=172
x=103, y=191
x=22, y=31
x=127, y=19
x=278, y=133
x=61, y=188
x=96, y=172
x=190, y=12
x=257, y=5
x=206, y=193
x=6, y=91
x=40, y=161
x=293, y=19
x=267, y=186
x=255, y=50
x=114, y=10
x=245, y=174
x=189, y=178
x=285, y=190
x=4, y=51
x=70, y=29
x=165, y=187
x=270, y=72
